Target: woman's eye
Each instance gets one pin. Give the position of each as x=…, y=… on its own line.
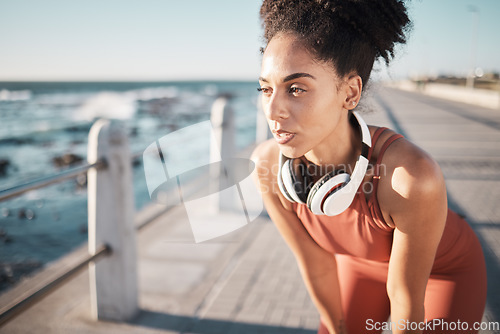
x=264, y=90
x=296, y=90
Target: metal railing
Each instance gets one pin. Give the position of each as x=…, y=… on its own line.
x=49, y=180
x=19, y=306
x=109, y=163
x=110, y=222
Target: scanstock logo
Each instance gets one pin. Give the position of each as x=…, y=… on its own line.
x=185, y=167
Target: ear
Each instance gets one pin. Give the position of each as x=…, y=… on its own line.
x=352, y=88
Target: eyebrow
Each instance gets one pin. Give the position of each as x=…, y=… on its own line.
x=292, y=77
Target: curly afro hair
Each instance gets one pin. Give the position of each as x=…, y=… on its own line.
x=351, y=34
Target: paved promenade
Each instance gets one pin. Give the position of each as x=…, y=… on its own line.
x=248, y=282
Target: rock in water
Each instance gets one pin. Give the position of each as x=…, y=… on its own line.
x=66, y=160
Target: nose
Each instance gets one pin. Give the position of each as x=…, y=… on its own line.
x=275, y=107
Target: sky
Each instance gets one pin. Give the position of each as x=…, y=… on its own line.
x=217, y=39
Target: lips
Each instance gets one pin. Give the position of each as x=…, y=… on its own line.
x=282, y=136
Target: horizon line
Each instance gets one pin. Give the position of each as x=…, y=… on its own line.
x=134, y=80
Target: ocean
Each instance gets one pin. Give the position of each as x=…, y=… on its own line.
x=44, y=128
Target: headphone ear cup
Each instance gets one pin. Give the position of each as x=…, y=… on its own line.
x=325, y=187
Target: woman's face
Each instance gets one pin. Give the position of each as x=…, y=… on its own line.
x=300, y=97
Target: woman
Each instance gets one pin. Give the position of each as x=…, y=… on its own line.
x=379, y=240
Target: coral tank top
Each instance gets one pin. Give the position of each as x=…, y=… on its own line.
x=361, y=230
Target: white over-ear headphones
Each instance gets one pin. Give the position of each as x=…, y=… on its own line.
x=335, y=191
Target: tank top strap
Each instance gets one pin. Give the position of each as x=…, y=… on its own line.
x=377, y=213
x=376, y=176
x=375, y=137
x=386, y=144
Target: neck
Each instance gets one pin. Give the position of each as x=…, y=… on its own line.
x=340, y=149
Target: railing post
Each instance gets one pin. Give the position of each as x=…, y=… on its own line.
x=222, y=149
x=262, y=128
x=113, y=280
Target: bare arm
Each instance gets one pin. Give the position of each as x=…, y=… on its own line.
x=415, y=198
x=317, y=266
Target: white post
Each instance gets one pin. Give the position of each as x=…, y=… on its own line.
x=475, y=21
x=113, y=280
x=263, y=132
x=222, y=149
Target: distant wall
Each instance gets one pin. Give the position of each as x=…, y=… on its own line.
x=479, y=97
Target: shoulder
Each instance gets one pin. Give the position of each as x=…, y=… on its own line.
x=413, y=170
x=266, y=159
x=265, y=156
x=411, y=181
